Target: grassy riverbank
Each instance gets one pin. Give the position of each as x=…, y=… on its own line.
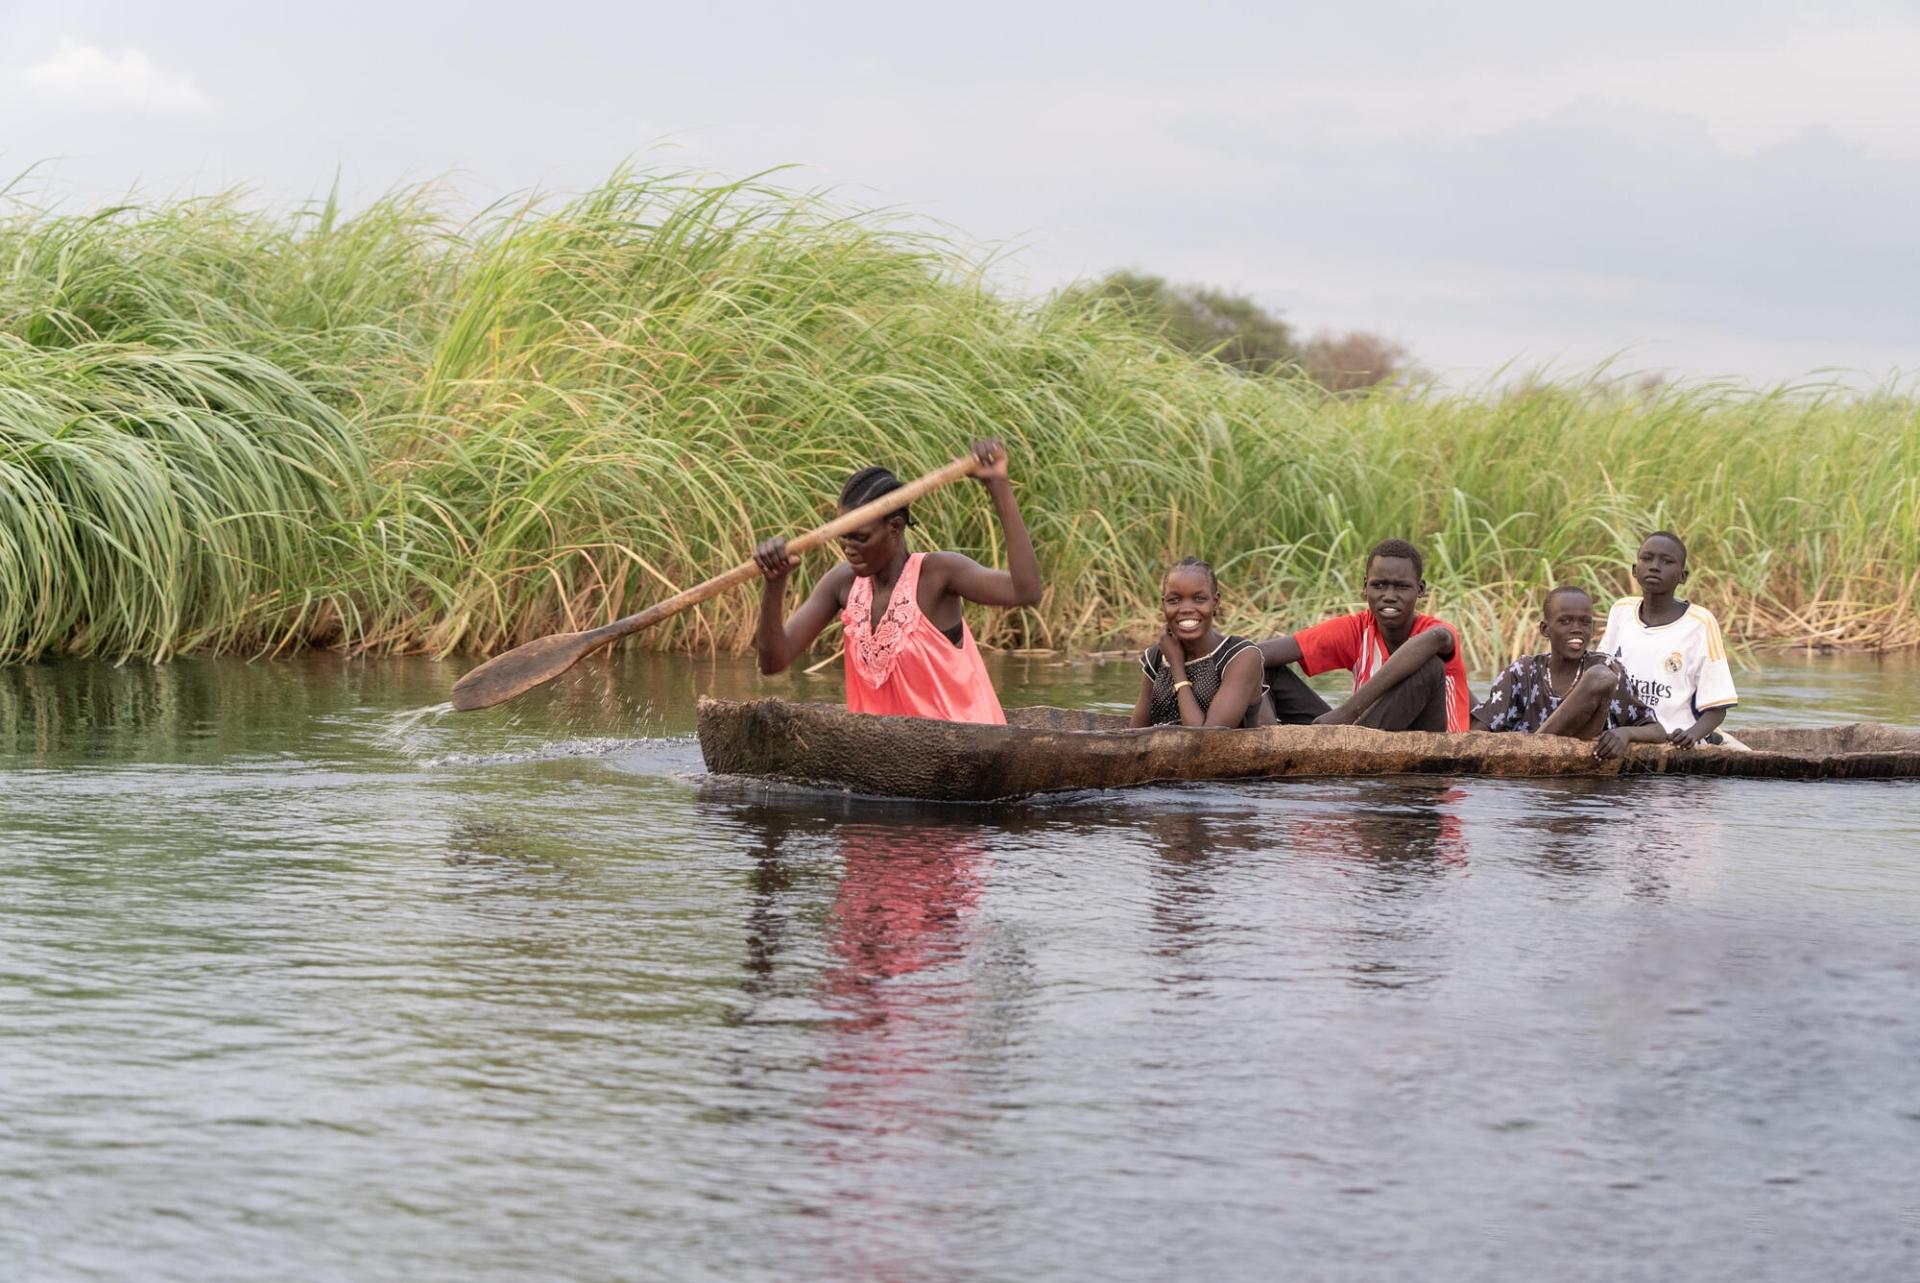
x=401, y=432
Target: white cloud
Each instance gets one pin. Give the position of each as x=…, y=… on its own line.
x=83, y=73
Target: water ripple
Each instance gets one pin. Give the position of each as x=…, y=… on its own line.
x=298, y=985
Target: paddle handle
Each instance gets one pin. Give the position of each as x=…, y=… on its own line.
x=891, y=502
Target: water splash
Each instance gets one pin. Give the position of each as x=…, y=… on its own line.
x=406, y=731
x=554, y=750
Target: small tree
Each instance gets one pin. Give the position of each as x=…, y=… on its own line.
x=1357, y=360
x=1231, y=328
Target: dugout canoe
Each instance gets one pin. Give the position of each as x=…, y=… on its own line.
x=1051, y=750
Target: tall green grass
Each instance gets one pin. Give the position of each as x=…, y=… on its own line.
x=154, y=502
x=398, y=431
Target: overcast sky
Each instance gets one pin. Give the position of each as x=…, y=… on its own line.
x=1705, y=187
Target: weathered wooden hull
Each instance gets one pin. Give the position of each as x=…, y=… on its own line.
x=1050, y=750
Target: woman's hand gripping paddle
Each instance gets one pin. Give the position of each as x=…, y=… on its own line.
x=525, y=667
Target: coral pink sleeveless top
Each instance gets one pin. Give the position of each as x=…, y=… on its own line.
x=906, y=667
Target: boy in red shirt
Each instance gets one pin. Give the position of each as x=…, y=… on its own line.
x=1407, y=670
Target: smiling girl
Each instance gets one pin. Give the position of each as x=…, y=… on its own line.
x=1196, y=676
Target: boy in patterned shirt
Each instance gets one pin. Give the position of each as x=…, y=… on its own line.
x=1570, y=690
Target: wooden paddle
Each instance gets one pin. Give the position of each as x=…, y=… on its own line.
x=525, y=667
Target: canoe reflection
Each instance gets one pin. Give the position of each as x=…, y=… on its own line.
x=1196, y=850
x=1395, y=833
x=1386, y=849
x=1648, y=837
x=1378, y=853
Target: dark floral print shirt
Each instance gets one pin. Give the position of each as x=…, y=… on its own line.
x=1522, y=698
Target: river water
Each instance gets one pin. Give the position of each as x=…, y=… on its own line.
x=296, y=983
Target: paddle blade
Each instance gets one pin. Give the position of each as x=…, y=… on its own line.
x=521, y=669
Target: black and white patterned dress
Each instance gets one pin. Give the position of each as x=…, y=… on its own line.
x=1522, y=698
x=1204, y=672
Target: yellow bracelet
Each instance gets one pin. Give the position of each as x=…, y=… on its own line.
x=1178, y=685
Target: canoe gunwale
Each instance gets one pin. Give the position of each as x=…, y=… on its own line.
x=1047, y=750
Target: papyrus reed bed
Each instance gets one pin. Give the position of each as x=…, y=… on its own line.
x=401, y=431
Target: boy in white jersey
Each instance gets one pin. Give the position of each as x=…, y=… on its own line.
x=1671, y=649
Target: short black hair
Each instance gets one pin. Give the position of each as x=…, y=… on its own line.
x=1678, y=542
x=1546, y=603
x=1398, y=548
x=1194, y=563
x=869, y=484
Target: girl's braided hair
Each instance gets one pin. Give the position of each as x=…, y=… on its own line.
x=869, y=484
x=1194, y=563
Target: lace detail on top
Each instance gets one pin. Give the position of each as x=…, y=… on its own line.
x=880, y=646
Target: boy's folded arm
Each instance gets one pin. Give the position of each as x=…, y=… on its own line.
x=1413, y=652
x=1284, y=649
x=1435, y=643
x=1635, y=711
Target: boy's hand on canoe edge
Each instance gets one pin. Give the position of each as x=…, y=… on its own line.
x=1611, y=744
x=989, y=460
x=775, y=562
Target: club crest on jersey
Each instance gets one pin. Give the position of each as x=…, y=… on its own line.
x=1674, y=662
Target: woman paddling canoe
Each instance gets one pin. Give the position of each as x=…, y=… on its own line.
x=908, y=650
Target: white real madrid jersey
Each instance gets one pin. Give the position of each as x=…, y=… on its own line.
x=1679, y=669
